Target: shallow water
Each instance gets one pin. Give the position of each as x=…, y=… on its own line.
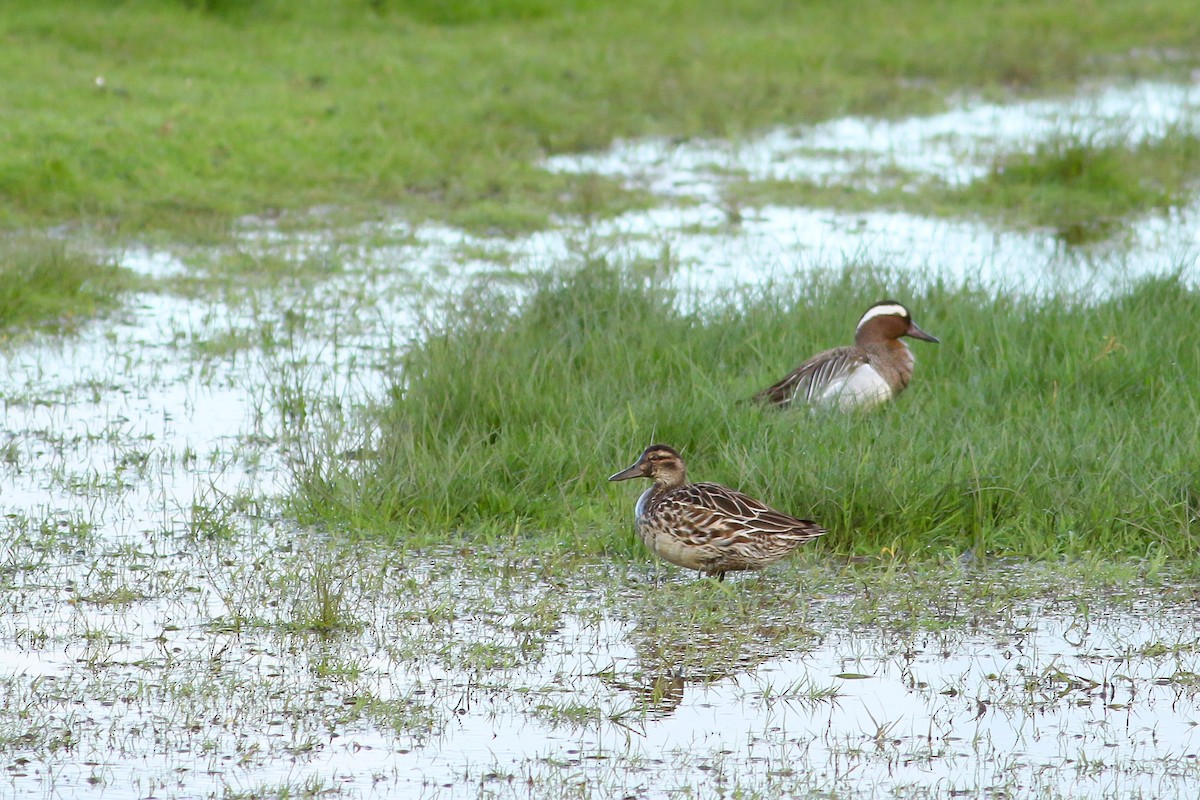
x=956, y=147
x=158, y=637
x=448, y=684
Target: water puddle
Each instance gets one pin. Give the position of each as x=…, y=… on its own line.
x=956, y=147
x=167, y=634
x=192, y=667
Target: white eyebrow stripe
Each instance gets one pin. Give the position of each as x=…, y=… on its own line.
x=882, y=310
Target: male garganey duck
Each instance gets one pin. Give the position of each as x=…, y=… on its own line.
x=705, y=526
x=876, y=368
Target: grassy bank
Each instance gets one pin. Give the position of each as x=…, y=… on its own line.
x=180, y=115
x=1083, y=190
x=1040, y=429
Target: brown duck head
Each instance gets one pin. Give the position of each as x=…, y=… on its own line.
x=888, y=320
x=659, y=463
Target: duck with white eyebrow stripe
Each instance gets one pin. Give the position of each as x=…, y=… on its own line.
x=876, y=368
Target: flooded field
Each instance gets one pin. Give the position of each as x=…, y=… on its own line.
x=168, y=632
x=185, y=667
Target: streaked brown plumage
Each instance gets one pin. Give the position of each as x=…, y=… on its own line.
x=705, y=526
x=876, y=368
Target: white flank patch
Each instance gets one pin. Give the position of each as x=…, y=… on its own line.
x=883, y=310
x=861, y=388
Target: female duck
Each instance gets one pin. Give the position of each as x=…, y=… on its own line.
x=705, y=526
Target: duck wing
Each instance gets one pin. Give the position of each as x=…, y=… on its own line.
x=811, y=381
x=713, y=514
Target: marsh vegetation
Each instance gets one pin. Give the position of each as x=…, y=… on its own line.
x=319, y=345
x=444, y=114
x=1044, y=427
x=48, y=285
x=1084, y=189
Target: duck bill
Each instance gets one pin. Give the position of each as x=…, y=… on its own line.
x=915, y=332
x=636, y=471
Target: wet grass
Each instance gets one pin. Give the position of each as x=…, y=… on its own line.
x=47, y=286
x=443, y=112
x=1039, y=427
x=447, y=645
x=180, y=631
x=1085, y=190
x=243, y=273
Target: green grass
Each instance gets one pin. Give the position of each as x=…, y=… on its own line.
x=154, y=115
x=1084, y=190
x=45, y=285
x=1040, y=429
x=1081, y=189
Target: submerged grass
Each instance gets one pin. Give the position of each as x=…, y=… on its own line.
x=45, y=285
x=1084, y=189
x=182, y=115
x=443, y=646
x=1043, y=428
